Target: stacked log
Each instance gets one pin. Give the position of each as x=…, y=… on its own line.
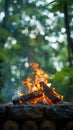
x=29, y=125
x=21, y=114
x=49, y=117
x=47, y=125
x=10, y=125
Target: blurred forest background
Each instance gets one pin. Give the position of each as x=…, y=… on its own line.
x=39, y=31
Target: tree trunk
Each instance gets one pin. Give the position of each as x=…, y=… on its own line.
x=6, y=11
x=70, y=48
x=1, y=74
x=69, y=40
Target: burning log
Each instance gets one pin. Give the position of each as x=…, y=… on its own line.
x=29, y=125
x=38, y=91
x=10, y=125
x=25, y=98
x=47, y=125
x=51, y=94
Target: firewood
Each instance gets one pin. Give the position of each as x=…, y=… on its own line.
x=50, y=94
x=25, y=111
x=29, y=125
x=47, y=125
x=69, y=125
x=25, y=98
x=10, y=125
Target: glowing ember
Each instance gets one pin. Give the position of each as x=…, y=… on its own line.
x=33, y=85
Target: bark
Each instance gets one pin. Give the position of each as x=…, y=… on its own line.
x=1, y=74
x=25, y=111
x=50, y=94
x=69, y=40
x=70, y=48
x=23, y=99
x=54, y=112
x=60, y=111
x=45, y=117
x=6, y=11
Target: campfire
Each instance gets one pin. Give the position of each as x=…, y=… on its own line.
x=39, y=90
x=49, y=113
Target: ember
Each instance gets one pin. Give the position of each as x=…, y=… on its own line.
x=38, y=89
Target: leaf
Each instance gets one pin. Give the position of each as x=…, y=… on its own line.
x=64, y=75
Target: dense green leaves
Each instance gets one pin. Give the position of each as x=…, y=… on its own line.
x=64, y=79
x=64, y=74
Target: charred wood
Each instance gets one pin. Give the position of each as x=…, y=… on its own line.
x=60, y=111
x=49, y=93
x=25, y=98
x=25, y=111
x=54, y=112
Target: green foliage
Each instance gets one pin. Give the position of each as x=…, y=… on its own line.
x=64, y=81
x=4, y=34
x=1, y=98
x=58, y=4
x=64, y=75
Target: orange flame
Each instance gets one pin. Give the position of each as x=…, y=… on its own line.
x=33, y=84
